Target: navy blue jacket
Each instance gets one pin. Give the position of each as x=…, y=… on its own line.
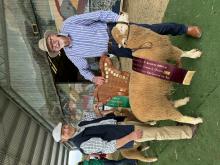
x=105, y=132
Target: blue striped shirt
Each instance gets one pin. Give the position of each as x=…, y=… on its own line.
x=89, y=36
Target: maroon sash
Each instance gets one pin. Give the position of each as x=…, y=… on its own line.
x=162, y=71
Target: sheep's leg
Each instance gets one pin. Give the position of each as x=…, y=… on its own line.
x=172, y=114
x=151, y=122
x=194, y=53
x=177, y=116
x=137, y=145
x=181, y=102
x=145, y=148
x=133, y=153
x=189, y=120
x=176, y=55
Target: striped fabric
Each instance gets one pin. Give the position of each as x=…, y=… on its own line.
x=89, y=36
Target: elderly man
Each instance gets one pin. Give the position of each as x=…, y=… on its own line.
x=88, y=35
x=104, y=135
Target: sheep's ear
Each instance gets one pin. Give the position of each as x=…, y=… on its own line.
x=119, y=45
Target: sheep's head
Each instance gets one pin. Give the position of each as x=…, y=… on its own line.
x=134, y=36
x=123, y=17
x=120, y=31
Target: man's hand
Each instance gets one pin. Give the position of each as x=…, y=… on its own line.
x=97, y=105
x=98, y=80
x=135, y=135
x=97, y=111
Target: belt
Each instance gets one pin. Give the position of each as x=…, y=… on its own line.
x=109, y=29
x=110, y=39
x=109, y=45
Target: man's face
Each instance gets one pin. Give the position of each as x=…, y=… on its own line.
x=55, y=43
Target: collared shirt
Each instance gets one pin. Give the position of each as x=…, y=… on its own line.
x=89, y=36
x=89, y=115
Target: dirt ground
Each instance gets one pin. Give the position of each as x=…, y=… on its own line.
x=143, y=11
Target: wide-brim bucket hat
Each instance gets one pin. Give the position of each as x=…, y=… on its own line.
x=57, y=132
x=43, y=44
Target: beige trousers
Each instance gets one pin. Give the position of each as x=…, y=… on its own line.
x=163, y=133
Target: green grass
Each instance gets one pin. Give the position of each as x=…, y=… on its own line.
x=204, y=148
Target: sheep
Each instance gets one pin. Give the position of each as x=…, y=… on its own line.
x=149, y=95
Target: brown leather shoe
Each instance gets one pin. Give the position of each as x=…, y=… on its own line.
x=194, y=31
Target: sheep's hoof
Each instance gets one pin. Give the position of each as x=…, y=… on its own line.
x=151, y=160
x=152, y=123
x=198, y=120
x=196, y=53
x=145, y=148
x=181, y=102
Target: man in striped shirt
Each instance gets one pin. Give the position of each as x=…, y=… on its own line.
x=87, y=35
